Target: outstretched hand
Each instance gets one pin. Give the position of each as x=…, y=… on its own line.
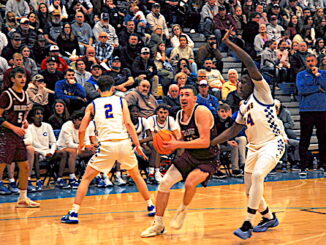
x=227, y=35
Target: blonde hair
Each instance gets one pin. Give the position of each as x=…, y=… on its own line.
x=233, y=70
x=180, y=74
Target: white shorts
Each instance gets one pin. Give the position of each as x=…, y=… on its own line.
x=108, y=152
x=266, y=157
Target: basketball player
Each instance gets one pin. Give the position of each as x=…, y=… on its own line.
x=112, y=119
x=196, y=164
x=160, y=121
x=266, y=143
x=13, y=111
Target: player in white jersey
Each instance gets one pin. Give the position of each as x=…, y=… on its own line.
x=266, y=143
x=111, y=116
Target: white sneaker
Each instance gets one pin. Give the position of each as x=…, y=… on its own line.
x=158, y=176
x=154, y=230
x=107, y=182
x=119, y=181
x=192, y=31
x=178, y=219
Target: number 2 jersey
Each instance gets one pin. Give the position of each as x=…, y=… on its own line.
x=258, y=113
x=15, y=106
x=108, y=118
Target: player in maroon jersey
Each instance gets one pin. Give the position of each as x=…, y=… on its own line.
x=13, y=111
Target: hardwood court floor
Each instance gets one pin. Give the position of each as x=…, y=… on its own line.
x=215, y=213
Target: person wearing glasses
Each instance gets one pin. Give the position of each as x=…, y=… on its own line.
x=103, y=48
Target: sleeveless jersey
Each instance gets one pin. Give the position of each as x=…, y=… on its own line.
x=141, y=128
x=260, y=119
x=15, y=106
x=169, y=124
x=190, y=132
x=108, y=118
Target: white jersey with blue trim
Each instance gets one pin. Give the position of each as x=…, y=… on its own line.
x=259, y=117
x=108, y=118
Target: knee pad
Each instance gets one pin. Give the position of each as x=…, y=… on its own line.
x=171, y=177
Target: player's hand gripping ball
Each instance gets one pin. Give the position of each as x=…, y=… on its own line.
x=159, y=138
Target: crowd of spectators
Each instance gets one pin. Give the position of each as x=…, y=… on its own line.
x=64, y=46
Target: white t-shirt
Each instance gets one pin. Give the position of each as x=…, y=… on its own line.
x=169, y=124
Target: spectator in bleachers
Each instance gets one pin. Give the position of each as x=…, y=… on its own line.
x=294, y=27
x=319, y=48
x=51, y=74
x=60, y=114
x=285, y=116
x=248, y=8
x=67, y=42
x=210, y=50
x=145, y=68
x=233, y=100
x=40, y=50
x=181, y=79
x=33, y=22
x=103, y=48
x=297, y=61
x=249, y=33
x=143, y=98
x=29, y=63
x=283, y=55
x=3, y=40
x=115, y=15
x=214, y=76
x=28, y=35
x=54, y=52
x=91, y=87
x=274, y=29
x=322, y=65
x=156, y=38
x=68, y=141
x=122, y=76
x=90, y=58
x=83, y=31
x=58, y=5
x=10, y=22
x=293, y=9
x=14, y=46
x=261, y=39
x=104, y=26
x=282, y=18
x=208, y=11
x=20, y=7
x=43, y=15
x=176, y=33
x=260, y=9
x=231, y=84
x=126, y=32
x=70, y=91
x=138, y=17
x=54, y=27
x=17, y=62
x=185, y=52
x=129, y=52
x=37, y=92
x=164, y=67
x=155, y=18
x=206, y=99
x=222, y=22
x=183, y=66
x=321, y=28
x=269, y=59
x=81, y=74
x=311, y=85
x=172, y=100
x=240, y=19
x=3, y=67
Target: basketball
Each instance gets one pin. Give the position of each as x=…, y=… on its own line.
x=159, y=138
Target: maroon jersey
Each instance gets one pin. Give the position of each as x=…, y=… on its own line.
x=15, y=106
x=190, y=132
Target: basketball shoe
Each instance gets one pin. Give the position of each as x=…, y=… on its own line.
x=245, y=231
x=26, y=203
x=70, y=218
x=154, y=230
x=151, y=210
x=178, y=219
x=265, y=223
x=13, y=188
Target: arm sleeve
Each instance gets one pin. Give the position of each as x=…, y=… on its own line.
x=262, y=91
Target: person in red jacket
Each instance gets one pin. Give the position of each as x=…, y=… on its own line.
x=54, y=52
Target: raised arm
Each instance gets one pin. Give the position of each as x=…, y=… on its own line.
x=244, y=56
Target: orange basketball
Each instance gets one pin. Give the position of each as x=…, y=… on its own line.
x=159, y=138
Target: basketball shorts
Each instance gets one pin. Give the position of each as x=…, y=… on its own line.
x=108, y=152
x=12, y=147
x=187, y=163
x=266, y=157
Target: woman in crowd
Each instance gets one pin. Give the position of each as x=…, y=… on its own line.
x=60, y=114
x=33, y=21
x=67, y=41
x=261, y=39
x=294, y=26
x=231, y=84
x=29, y=63
x=43, y=15
x=10, y=22
x=176, y=33
x=319, y=48
x=57, y=4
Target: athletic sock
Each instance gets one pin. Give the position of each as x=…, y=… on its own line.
x=157, y=169
x=158, y=219
x=72, y=176
x=75, y=208
x=149, y=202
x=250, y=214
x=23, y=194
x=11, y=180
x=267, y=214
x=151, y=170
x=246, y=226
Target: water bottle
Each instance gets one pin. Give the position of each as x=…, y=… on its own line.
x=315, y=164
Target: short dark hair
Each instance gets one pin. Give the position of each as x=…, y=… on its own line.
x=16, y=70
x=225, y=107
x=130, y=107
x=77, y=114
x=105, y=83
x=32, y=112
x=69, y=70
x=162, y=106
x=310, y=55
x=194, y=90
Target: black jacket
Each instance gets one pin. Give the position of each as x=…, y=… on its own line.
x=140, y=67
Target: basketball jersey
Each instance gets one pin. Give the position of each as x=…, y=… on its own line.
x=141, y=128
x=15, y=106
x=260, y=119
x=108, y=118
x=169, y=124
x=189, y=131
